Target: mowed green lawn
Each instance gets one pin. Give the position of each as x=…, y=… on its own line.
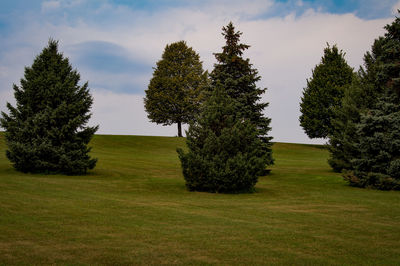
x=133, y=208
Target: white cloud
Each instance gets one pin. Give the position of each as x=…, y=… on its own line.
x=236, y=8
x=395, y=8
x=110, y=110
x=50, y=5
x=6, y=96
x=299, y=3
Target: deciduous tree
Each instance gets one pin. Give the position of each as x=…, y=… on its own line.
x=174, y=93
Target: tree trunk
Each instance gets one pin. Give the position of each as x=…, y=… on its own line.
x=179, y=129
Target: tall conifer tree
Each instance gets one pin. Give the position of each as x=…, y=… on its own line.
x=223, y=148
x=358, y=97
x=378, y=132
x=46, y=131
x=239, y=79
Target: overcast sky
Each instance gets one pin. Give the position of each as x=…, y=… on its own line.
x=115, y=44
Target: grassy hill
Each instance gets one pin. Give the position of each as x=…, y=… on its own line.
x=134, y=209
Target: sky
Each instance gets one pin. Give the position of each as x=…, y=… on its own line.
x=114, y=45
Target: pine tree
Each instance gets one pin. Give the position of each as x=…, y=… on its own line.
x=174, y=93
x=378, y=132
x=324, y=93
x=46, y=132
x=239, y=78
x=224, y=149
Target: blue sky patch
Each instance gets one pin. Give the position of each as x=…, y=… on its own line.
x=106, y=57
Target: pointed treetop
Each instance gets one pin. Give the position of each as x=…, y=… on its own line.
x=332, y=54
x=52, y=46
x=232, y=46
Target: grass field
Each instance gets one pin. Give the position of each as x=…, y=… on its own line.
x=133, y=208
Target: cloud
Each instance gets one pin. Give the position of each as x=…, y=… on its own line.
x=105, y=57
x=6, y=96
x=53, y=5
x=110, y=109
x=395, y=8
x=115, y=46
x=110, y=65
x=50, y=5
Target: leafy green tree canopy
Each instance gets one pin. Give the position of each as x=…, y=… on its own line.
x=324, y=92
x=239, y=80
x=46, y=131
x=174, y=93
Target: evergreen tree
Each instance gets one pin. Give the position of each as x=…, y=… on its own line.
x=324, y=92
x=224, y=149
x=378, y=164
x=46, y=130
x=378, y=132
x=342, y=138
x=174, y=93
x=358, y=97
x=239, y=78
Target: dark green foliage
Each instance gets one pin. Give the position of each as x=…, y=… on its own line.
x=365, y=143
x=358, y=97
x=378, y=132
x=228, y=144
x=224, y=150
x=379, y=147
x=239, y=78
x=388, y=72
x=342, y=139
x=174, y=93
x=324, y=92
x=46, y=130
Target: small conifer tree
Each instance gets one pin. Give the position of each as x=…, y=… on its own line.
x=223, y=148
x=46, y=131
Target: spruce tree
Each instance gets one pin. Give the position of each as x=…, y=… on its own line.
x=342, y=138
x=378, y=163
x=358, y=97
x=46, y=131
x=174, y=93
x=324, y=93
x=378, y=132
x=239, y=80
x=223, y=148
